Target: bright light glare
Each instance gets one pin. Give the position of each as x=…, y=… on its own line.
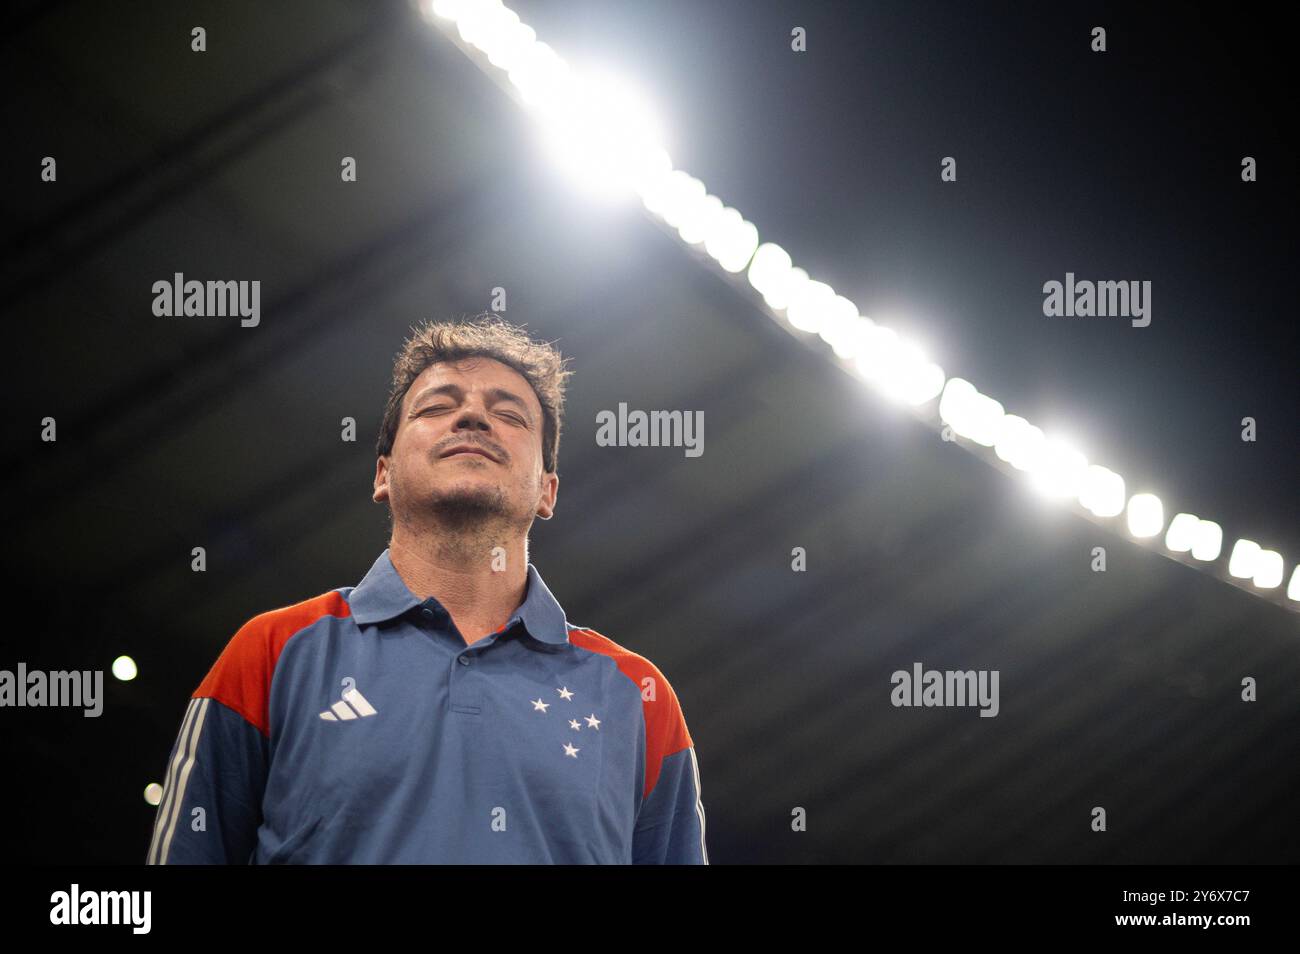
x=124, y=668
x=909, y=377
x=970, y=414
x=876, y=346
x=769, y=271
x=1146, y=515
x=1057, y=469
x=1018, y=442
x=1103, y=492
x=677, y=197
x=840, y=329
x=1182, y=532
x=697, y=219
x=730, y=240
x=1268, y=569
x=1245, y=554
x=599, y=129
x=604, y=134
x=1209, y=541
x=810, y=305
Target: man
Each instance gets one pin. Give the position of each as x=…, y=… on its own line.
x=443, y=710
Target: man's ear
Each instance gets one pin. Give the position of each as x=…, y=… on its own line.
x=550, y=489
x=381, y=480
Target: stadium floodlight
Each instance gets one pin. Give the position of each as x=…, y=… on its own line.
x=605, y=134
x=909, y=376
x=769, y=272
x=1018, y=442
x=1146, y=515
x=970, y=414
x=810, y=306
x=1182, y=532
x=877, y=346
x=730, y=241
x=124, y=668
x=1057, y=469
x=789, y=289
x=840, y=329
x=1102, y=491
x=681, y=196
x=539, y=74
x=854, y=340
x=697, y=219
x=1242, y=562
x=1268, y=569
x=1209, y=541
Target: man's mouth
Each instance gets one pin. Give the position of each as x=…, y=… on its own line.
x=469, y=450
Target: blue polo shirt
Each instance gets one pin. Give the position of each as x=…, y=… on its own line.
x=358, y=727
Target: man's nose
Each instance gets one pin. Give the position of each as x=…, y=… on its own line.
x=473, y=418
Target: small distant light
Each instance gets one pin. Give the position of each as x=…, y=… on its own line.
x=1268, y=569
x=1182, y=532
x=124, y=668
x=1293, y=588
x=1146, y=515
x=153, y=793
x=1244, y=556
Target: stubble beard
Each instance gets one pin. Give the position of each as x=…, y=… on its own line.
x=468, y=521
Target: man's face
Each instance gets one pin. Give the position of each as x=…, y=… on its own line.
x=479, y=403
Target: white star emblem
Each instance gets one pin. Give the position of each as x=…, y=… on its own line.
x=573, y=724
x=565, y=693
x=539, y=705
x=593, y=721
x=570, y=750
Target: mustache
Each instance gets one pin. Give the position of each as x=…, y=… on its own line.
x=489, y=449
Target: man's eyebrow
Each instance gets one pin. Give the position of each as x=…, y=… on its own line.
x=495, y=395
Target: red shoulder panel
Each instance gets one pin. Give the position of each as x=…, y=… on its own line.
x=665, y=726
x=241, y=676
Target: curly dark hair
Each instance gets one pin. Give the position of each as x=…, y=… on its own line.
x=486, y=335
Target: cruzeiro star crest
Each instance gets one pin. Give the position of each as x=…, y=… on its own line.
x=575, y=724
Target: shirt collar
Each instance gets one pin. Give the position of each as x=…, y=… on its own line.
x=382, y=595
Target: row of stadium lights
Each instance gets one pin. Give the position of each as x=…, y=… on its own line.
x=609, y=141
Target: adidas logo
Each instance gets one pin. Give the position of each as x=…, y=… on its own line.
x=353, y=705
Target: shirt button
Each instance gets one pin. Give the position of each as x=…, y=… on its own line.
x=464, y=660
x=427, y=613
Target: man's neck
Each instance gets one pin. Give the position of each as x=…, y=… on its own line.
x=479, y=588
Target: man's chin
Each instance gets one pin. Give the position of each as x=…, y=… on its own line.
x=468, y=503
